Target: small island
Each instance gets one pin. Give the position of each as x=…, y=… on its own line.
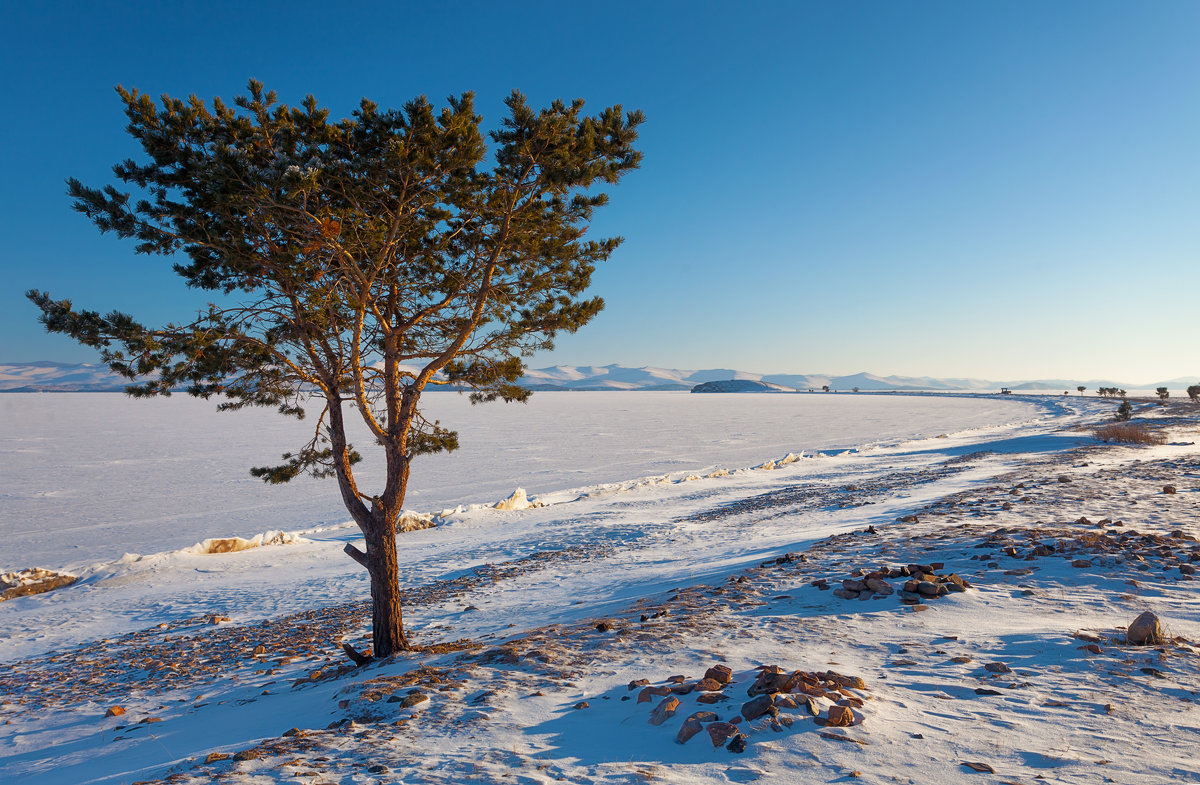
x=739, y=386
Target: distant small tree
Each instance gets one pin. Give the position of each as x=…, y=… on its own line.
x=1194, y=393
x=360, y=261
x=1163, y=393
x=1081, y=388
x=1121, y=393
x=1124, y=411
x=855, y=389
x=825, y=387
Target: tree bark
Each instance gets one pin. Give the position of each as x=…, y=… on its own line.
x=387, y=621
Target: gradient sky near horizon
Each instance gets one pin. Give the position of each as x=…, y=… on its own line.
x=1005, y=190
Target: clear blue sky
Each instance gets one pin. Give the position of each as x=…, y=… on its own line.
x=995, y=189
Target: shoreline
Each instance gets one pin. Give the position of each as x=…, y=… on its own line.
x=1067, y=707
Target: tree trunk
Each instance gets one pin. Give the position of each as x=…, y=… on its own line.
x=387, y=623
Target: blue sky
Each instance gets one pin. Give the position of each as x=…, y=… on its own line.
x=994, y=189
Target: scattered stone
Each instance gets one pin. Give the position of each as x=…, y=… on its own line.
x=638, y=683
x=708, y=685
x=650, y=693
x=114, y=711
x=1168, y=489
x=413, y=699
x=664, y=711
x=1145, y=630
x=693, y=725
x=997, y=667
x=214, y=757
x=722, y=674
x=378, y=768
x=737, y=744
x=720, y=732
x=983, y=766
x=840, y=717
x=763, y=704
x=250, y=754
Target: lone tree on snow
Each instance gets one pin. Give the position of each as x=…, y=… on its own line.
x=359, y=261
x=1194, y=393
x=1163, y=393
x=1081, y=388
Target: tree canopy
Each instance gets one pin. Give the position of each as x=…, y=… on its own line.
x=356, y=262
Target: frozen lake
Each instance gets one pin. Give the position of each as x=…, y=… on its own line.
x=86, y=477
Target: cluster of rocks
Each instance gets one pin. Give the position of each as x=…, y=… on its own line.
x=773, y=691
x=1098, y=546
x=924, y=582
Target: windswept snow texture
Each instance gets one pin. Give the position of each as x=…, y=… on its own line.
x=88, y=477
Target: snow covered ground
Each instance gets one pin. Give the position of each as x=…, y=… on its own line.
x=646, y=574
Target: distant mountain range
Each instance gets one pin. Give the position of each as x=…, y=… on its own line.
x=62, y=377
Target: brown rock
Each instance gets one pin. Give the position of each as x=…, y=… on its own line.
x=650, y=693
x=710, y=697
x=879, y=585
x=785, y=702
x=689, y=729
x=582, y=705
x=251, y=754
x=664, y=711
x=719, y=673
x=759, y=706
x=708, y=685
x=927, y=588
x=633, y=685
x=693, y=725
x=853, y=585
x=1145, y=629
x=1168, y=489
x=676, y=679
x=772, y=679
x=997, y=667
x=213, y=757
x=846, y=594
x=114, y=711
x=720, y=732
x=842, y=680
x=840, y=716
x=1081, y=563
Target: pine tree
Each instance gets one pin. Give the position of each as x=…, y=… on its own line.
x=365, y=259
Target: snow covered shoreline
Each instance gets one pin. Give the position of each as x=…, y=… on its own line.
x=531, y=613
